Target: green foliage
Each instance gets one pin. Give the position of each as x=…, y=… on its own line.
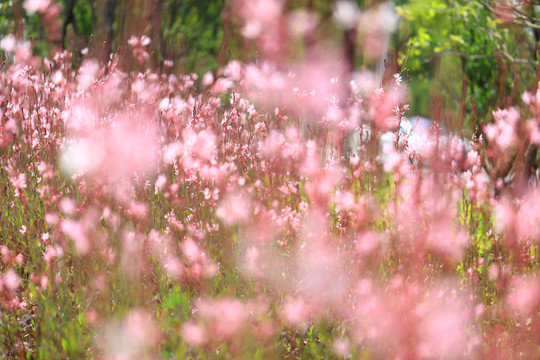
x=464, y=39
x=193, y=32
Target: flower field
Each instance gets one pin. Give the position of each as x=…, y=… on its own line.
x=253, y=212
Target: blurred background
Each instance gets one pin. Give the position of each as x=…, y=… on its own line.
x=462, y=59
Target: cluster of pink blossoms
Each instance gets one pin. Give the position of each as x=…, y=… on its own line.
x=242, y=192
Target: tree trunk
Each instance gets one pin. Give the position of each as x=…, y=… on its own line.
x=69, y=19
x=158, y=46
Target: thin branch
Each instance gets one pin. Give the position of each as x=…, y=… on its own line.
x=485, y=56
x=519, y=17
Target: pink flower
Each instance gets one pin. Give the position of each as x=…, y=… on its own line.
x=445, y=326
x=193, y=334
x=19, y=181
x=131, y=338
x=33, y=6
x=52, y=253
x=88, y=73
x=367, y=243
x=503, y=131
x=10, y=280
x=113, y=152
x=8, y=43
x=346, y=13
x=139, y=48
x=68, y=206
x=225, y=319
x=341, y=347
x=191, y=249
x=259, y=16
x=295, y=312
x=77, y=232
x=533, y=127
x=382, y=108
x=234, y=208
x=524, y=296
